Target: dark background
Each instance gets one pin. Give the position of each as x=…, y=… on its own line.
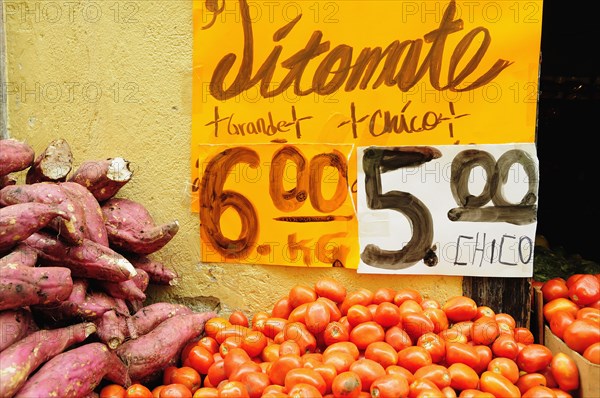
x=569, y=109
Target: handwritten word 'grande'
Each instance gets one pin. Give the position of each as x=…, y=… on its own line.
x=400, y=63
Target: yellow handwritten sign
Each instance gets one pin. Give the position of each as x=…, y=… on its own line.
x=357, y=72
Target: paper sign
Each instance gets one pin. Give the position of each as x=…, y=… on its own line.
x=448, y=210
x=277, y=204
x=361, y=73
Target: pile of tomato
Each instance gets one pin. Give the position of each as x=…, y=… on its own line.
x=323, y=341
x=572, y=311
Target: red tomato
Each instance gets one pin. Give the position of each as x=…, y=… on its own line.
x=258, y=317
x=282, y=366
x=397, y=338
x=430, y=303
x=289, y=347
x=407, y=294
x=230, y=343
x=438, y=374
x=174, y=390
x=463, y=377
x=237, y=331
x=434, y=344
x=554, y=288
x=382, y=352
x=399, y=370
x=485, y=355
x=484, y=330
x=416, y=324
x=254, y=343
x=559, y=322
x=559, y=304
x=187, y=376
x=390, y=386
x=528, y=380
x=475, y=393
x=239, y=318
x=214, y=325
x=368, y=370
x=304, y=390
x=413, y=358
x=539, y=392
x=298, y=332
x=438, y=317
x=301, y=294
x=234, y=358
x=366, y=333
x=206, y=392
x=317, y=316
x=335, y=332
x=346, y=385
x=282, y=308
x=506, y=367
x=585, y=290
x=328, y=372
x=424, y=388
x=334, y=312
x=498, y=385
x=565, y=371
x=580, y=334
x=215, y=374
x=387, y=314
x=589, y=313
x=166, y=379
x=347, y=347
x=307, y=376
x=361, y=296
x=384, y=295
x=461, y=352
x=534, y=357
x=484, y=310
x=209, y=343
x=271, y=326
x=460, y=308
x=233, y=389
x=592, y=353
x=358, y=313
x=341, y=361
x=571, y=279
x=255, y=383
x=242, y=369
x=507, y=319
x=505, y=346
x=298, y=314
x=331, y=289
x=523, y=335
x=113, y=391
x=137, y=390
x=409, y=306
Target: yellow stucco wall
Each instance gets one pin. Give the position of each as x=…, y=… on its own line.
x=113, y=78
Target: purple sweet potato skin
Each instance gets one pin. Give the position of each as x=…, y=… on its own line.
x=150, y=316
x=15, y=155
x=71, y=229
x=126, y=290
x=22, y=256
x=148, y=355
x=76, y=373
x=111, y=329
x=95, y=229
x=88, y=260
x=23, y=286
x=132, y=229
x=20, y=220
x=94, y=175
x=14, y=325
x=156, y=270
x=25, y=356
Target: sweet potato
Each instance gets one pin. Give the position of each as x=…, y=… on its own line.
x=150, y=316
x=71, y=229
x=22, y=358
x=22, y=255
x=126, y=290
x=14, y=325
x=141, y=280
x=148, y=355
x=76, y=373
x=104, y=177
x=88, y=260
x=97, y=303
x=54, y=164
x=94, y=220
x=18, y=222
x=132, y=229
x=157, y=271
x=7, y=180
x=111, y=329
x=15, y=155
x=23, y=286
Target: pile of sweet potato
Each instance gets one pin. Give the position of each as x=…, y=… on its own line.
x=74, y=268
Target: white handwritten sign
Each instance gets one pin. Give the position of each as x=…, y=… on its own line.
x=448, y=210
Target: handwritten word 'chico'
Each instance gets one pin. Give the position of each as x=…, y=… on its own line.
x=400, y=63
